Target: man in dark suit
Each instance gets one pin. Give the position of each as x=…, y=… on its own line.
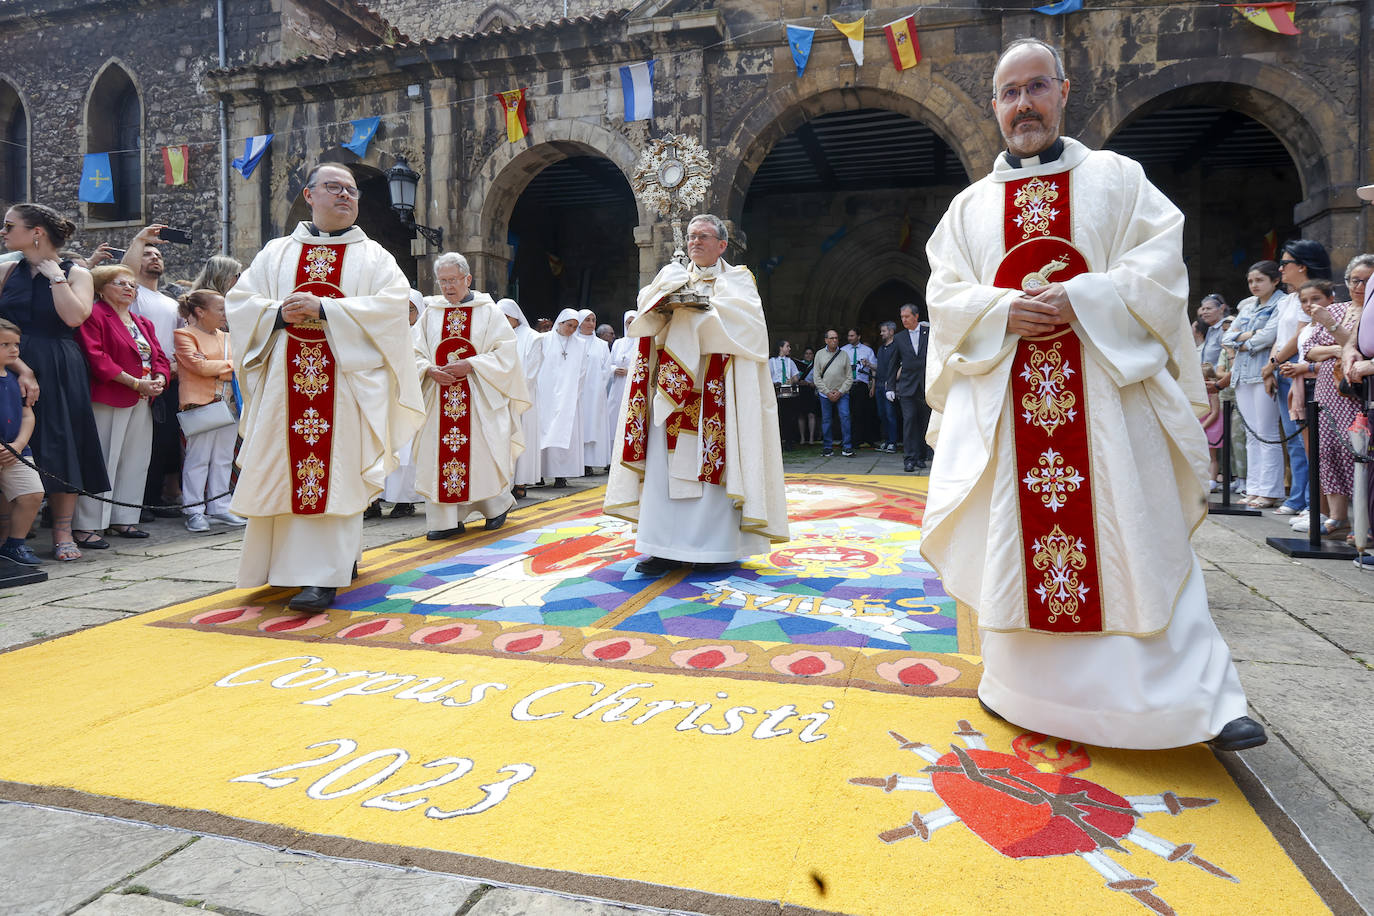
x=906, y=379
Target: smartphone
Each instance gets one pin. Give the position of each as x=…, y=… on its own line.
x=116, y=253
x=176, y=236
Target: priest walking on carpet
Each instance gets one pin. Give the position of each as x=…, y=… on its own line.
x=474, y=389
x=698, y=464
x=1071, y=470
x=330, y=391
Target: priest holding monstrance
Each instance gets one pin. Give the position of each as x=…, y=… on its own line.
x=698, y=463
x=321, y=319
x=1070, y=471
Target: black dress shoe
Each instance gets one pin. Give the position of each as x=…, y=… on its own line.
x=1239, y=734
x=493, y=523
x=145, y=516
x=990, y=711
x=560, y=483
x=402, y=510
x=656, y=566
x=374, y=510
x=908, y=465
x=446, y=533
x=355, y=571
x=167, y=512
x=313, y=598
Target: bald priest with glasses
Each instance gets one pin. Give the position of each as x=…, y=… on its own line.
x=321, y=323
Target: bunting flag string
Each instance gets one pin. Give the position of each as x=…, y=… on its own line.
x=176, y=165
x=253, y=148
x=1276, y=17
x=364, y=129
x=97, y=179
x=637, y=85
x=513, y=103
x=854, y=31
x=902, y=42
x=799, y=39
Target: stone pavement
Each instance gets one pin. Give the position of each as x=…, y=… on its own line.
x=1302, y=633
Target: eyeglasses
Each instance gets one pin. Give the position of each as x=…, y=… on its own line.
x=701, y=237
x=333, y=187
x=1037, y=88
x=1355, y=281
x=125, y=284
x=1286, y=262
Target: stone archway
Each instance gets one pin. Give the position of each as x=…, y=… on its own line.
x=504, y=175
x=920, y=95
x=843, y=279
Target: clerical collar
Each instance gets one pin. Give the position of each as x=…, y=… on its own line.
x=317, y=231
x=1056, y=149
x=705, y=273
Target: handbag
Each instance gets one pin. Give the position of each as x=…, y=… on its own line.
x=206, y=417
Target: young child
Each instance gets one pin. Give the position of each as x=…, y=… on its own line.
x=20, y=484
x=1212, y=423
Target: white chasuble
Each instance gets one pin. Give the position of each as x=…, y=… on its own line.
x=355, y=370
x=702, y=377
x=1136, y=395
x=465, y=453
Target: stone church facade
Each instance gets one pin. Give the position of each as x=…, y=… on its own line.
x=833, y=223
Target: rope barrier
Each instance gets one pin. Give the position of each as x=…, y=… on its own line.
x=70, y=487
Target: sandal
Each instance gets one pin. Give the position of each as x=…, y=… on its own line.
x=65, y=551
x=1335, y=527
x=91, y=540
x=126, y=531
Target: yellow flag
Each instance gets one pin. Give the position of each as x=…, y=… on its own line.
x=854, y=31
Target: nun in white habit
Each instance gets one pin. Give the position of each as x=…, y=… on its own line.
x=623, y=354
x=527, y=466
x=597, y=446
x=399, y=487
x=559, y=399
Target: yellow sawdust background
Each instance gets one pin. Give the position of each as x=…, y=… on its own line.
x=132, y=711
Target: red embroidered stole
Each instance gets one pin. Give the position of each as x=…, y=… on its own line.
x=696, y=410
x=1050, y=421
x=455, y=407
x=310, y=384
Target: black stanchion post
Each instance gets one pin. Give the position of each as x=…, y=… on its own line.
x=1312, y=547
x=1225, y=507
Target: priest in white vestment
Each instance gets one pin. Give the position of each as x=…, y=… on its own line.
x=622, y=358
x=531, y=352
x=474, y=389
x=560, y=400
x=330, y=392
x=1071, y=470
x=596, y=447
x=699, y=467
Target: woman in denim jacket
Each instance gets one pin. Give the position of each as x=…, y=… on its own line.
x=1252, y=334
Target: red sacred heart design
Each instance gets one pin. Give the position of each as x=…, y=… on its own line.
x=1024, y=813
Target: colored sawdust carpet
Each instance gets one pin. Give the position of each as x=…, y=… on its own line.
x=795, y=733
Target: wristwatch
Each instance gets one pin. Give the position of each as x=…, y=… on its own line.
x=57, y=280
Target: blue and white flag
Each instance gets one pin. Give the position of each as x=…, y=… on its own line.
x=363, y=130
x=1063, y=6
x=253, y=148
x=97, y=181
x=799, y=39
x=637, y=83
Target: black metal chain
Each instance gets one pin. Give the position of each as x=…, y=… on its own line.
x=71, y=487
x=1302, y=425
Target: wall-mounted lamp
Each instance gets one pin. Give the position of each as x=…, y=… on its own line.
x=403, y=180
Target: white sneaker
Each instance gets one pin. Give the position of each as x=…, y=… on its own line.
x=1238, y=485
x=1303, y=523
x=197, y=522
x=1213, y=487
x=229, y=518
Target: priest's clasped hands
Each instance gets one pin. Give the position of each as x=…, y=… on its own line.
x=300, y=306
x=449, y=373
x=1041, y=313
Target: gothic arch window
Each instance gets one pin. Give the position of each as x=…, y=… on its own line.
x=114, y=125
x=14, y=147
x=496, y=16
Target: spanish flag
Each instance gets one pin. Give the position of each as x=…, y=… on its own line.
x=854, y=31
x=902, y=42
x=1276, y=17
x=513, y=101
x=176, y=165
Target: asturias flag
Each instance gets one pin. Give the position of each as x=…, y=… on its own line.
x=902, y=42
x=97, y=183
x=253, y=148
x=176, y=165
x=364, y=129
x=513, y=101
x=854, y=31
x=799, y=39
x=1276, y=17
x=637, y=86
